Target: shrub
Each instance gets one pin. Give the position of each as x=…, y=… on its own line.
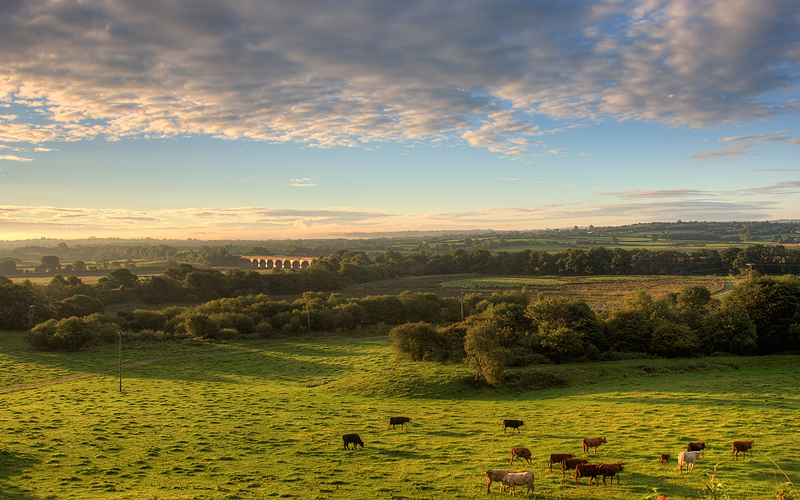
x=672, y=340
x=533, y=380
x=418, y=341
x=79, y=305
x=69, y=334
x=728, y=330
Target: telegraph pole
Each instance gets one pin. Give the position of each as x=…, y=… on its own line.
x=120, y=360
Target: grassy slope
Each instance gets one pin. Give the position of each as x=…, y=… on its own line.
x=268, y=424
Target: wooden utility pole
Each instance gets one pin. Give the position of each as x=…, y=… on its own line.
x=120, y=360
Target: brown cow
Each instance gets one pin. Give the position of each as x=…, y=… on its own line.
x=587, y=470
x=570, y=463
x=592, y=443
x=520, y=452
x=744, y=447
x=663, y=458
x=557, y=458
x=606, y=470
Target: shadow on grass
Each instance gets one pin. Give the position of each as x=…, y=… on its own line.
x=12, y=465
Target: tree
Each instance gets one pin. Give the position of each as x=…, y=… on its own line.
x=50, y=263
x=419, y=341
x=8, y=267
x=562, y=344
x=69, y=334
x=562, y=312
x=773, y=305
x=485, y=356
x=79, y=305
x=728, y=330
x=628, y=330
x=674, y=340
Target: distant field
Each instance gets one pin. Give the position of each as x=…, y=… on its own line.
x=267, y=422
x=594, y=290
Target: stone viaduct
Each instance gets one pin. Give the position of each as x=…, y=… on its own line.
x=278, y=262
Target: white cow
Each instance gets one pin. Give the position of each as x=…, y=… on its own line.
x=517, y=479
x=688, y=458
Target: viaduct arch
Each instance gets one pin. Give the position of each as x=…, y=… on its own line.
x=279, y=262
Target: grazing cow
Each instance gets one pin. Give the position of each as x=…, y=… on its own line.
x=401, y=421
x=520, y=452
x=688, y=458
x=495, y=475
x=744, y=447
x=514, y=424
x=518, y=479
x=587, y=470
x=663, y=458
x=571, y=463
x=696, y=446
x=592, y=443
x=606, y=470
x=557, y=458
x=353, y=439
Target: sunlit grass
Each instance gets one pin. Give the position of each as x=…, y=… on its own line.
x=268, y=423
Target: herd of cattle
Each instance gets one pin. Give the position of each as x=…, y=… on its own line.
x=510, y=479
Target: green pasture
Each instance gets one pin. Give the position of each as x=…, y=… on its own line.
x=265, y=420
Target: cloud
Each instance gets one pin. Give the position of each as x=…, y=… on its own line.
x=304, y=182
x=780, y=188
x=659, y=193
x=746, y=144
x=14, y=158
x=354, y=74
x=191, y=222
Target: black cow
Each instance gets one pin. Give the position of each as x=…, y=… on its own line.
x=353, y=439
x=514, y=424
x=401, y=421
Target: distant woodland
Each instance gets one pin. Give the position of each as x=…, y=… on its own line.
x=206, y=293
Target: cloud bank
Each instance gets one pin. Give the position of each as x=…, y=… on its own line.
x=356, y=72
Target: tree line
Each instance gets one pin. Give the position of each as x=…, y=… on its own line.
x=488, y=333
x=761, y=316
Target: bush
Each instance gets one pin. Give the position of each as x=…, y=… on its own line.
x=613, y=355
x=70, y=334
x=418, y=341
x=673, y=341
x=533, y=380
x=728, y=330
x=79, y=305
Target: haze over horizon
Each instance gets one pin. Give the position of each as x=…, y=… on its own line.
x=265, y=120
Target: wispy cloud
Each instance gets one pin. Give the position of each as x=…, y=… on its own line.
x=14, y=158
x=779, y=188
x=658, y=193
x=746, y=144
x=192, y=222
x=304, y=182
x=354, y=74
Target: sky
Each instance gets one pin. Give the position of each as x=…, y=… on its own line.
x=256, y=119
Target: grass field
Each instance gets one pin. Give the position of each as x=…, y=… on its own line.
x=596, y=291
x=265, y=421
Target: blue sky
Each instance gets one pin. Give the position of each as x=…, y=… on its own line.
x=256, y=120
